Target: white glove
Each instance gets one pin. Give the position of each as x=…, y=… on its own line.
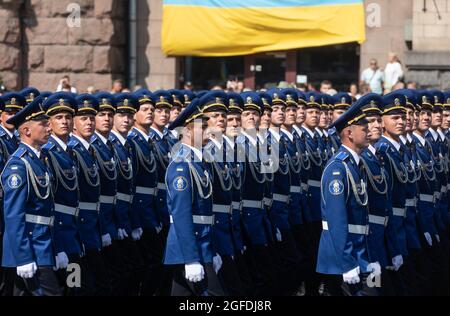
x=106, y=240
x=244, y=249
x=374, y=268
x=352, y=276
x=217, y=263
x=194, y=272
x=136, y=234
x=279, y=237
x=122, y=234
x=429, y=239
x=437, y=238
x=397, y=261
x=27, y=271
x=61, y=261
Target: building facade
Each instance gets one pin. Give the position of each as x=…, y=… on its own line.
x=96, y=42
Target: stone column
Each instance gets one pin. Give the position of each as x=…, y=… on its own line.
x=92, y=54
x=10, y=40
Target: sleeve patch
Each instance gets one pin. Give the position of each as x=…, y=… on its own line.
x=336, y=187
x=180, y=184
x=14, y=181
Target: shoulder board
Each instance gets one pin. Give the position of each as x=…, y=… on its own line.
x=20, y=152
x=342, y=155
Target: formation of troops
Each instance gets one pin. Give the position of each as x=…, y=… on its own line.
x=254, y=194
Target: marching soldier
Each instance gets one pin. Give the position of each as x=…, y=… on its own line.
x=105, y=160
x=126, y=107
x=256, y=233
x=145, y=220
x=189, y=188
x=60, y=107
x=341, y=102
x=89, y=194
x=343, y=254
x=29, y=207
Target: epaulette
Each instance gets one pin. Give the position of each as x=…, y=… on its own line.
x=342, y=155
x=20, y=152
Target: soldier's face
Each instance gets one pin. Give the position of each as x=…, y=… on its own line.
x=174, y=112
x=409, y=120
x=359, y=136
x=61, y=124
x=312, y=118
x=424, y=121
x=394, y=125
x=290, y=116
x=38, y=132
x=436, y=119
x=374, y=128
x=330, y=117
x=445, y=120
x=217, y=123
x=161, y=117
x=123, y=122
x=5, y=117
x=323, y=121
x=416, y=120
x=144, y=116
x=278, y=115
x=104, y=121
x=300, y=115
x=233, y=124
x=265, y=120
x=84, y=125
x=337, y=114
x=250, y=120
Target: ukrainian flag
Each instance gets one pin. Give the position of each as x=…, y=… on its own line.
x=240, y=27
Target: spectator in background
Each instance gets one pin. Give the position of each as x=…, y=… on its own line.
x=412, y=85
x=188, y=86
x=312, y=86
x=91, y=90
x=325, y=86
x=240, y=87
x=398, y=86
x=302, y=87
x=354, y=91
x=393, y=73
x=64, y=85
x=117, y=86
x=373, y=77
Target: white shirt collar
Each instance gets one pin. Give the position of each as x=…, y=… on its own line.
x=229, y=141
x=372, y=149
x=275, y=134
x=250, y=138
x=409, y=137
x=310, y=132
x=318, y=130
x=120, y=137
x=403, y=139
x=433, y=133
x=288, y=134
x=103, y=139
x=36, y=152
x=161, y=135
x=146, y=136
x=216, y=143
x=354, y=154
x=393, y=142
x=83, y=142
x=60, y=142
x=420, y=138
x=11, y=135
x=197, y=152
x=298, y=130
x=441, y=134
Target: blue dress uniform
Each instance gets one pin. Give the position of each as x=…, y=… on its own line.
x=144, y=213
x=65, y=193
x=163, y=145
x=189, y=200
x=254, y=219
x=344, y=198
x=29, y=210
x=340, y=101
x=446, y=107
